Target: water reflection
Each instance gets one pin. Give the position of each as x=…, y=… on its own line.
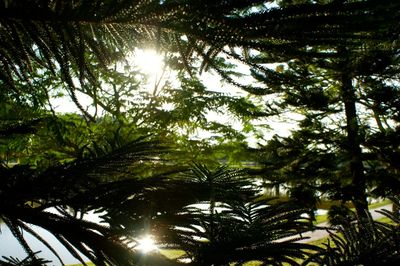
x=10, y=246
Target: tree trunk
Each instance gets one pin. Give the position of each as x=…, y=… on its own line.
x=277, y=190
x=359, y=196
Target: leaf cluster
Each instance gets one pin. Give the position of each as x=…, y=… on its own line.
x=364, y=242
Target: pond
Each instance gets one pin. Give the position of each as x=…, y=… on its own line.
x=10, y=246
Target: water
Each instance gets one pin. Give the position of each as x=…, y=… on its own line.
x=9, y=246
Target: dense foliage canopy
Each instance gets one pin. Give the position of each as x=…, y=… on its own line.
x=133, y=154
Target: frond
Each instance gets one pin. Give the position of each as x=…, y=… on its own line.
x=28, y=229
x=75, y=37
x=84, y=184
x=17, y=232
x=28, y=261
x=363, y=242
x=225, y=228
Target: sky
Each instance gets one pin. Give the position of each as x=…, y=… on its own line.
x=151, y=63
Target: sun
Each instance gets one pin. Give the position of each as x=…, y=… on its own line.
x=149, y=61
x=146, y=244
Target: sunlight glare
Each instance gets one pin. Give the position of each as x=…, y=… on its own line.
x=146, y=244
x=149, y=61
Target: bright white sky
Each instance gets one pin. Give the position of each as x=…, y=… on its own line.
x=152, y=65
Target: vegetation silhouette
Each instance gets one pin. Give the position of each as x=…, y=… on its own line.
x=333, y=56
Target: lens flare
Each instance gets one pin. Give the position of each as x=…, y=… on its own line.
x=146, y=244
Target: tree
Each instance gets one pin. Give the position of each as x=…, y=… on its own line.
x=227, y=225
x=103, y=179
x=29, y=193
x=325, y=83
x=61, y=36
x=72, y=40
x=366, y=243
